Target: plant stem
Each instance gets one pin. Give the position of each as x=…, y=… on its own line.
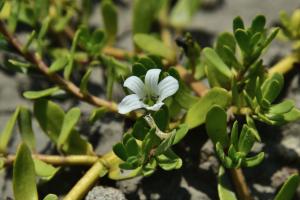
x=64, y=84
x=58, y=160
x=86, y=182
x=285, y=65
x=99, y=168
x=240, y=184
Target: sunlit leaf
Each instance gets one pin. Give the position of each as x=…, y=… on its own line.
x=154, y=46
x=7, y=131
x=41, y=93
x=24, y=185
x=25, y=127
x=197, y=113
x=110, y=19
x=289, y=188
x=44, y=170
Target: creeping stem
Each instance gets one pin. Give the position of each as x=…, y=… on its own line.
x=44, y=69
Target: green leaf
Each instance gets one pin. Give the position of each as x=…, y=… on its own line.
x=246, y=140
x=143, y=15
x=272, y=87
x=180, y=133
x=149, y=168
x=40, y=94
x=85, y=80
x=44, y=170
x=183, y=12
x=289, y=188
x=254, y=160
x=234, y=137
x=258, y=23
x=132, y=148
x=215, y=61
x=140, y=129
x=161, y=118
x=58, y=65
x=25, y=127
x=77, y=145
x=50, y=117
x=165, y=144
x=224, y=191
x=14, y=15
x=50, y=197
x=120, y=150
x=217, y=132
x=7, y=131
x=169, y=160
x=238, y=23
x=184, y=97
x=24, y=185
x=197, y=113
x=110, y=19
x=226, y=161
x=70, y=120
x=243, y=41
x=154, y=46
x=225, y=39
x=96, y=114
x=282, y=107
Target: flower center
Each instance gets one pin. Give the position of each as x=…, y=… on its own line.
x=150, y=100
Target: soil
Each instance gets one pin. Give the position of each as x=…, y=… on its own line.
x=197, y=178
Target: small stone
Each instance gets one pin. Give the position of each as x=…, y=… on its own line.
x=105, y=193
x=281, y=176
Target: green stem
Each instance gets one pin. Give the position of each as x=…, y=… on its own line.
x=86, y=182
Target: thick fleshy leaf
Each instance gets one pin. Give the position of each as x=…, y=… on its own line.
x=167, y=87
x=258, y=23
x=84, y=81
x=238, y=23
x=132, y=148
x=165, y=144
x=120, y=150
x=77, y=145
x=40, y=94
x=225, y=40
x=254, y=160
x=169, y=160
x=50, y=117
x=70, y=120
x=136, y=85
x=110, y=19
x=44, y=170
x=197, y=113
x=282, y=107
x=25, y=127
x=180, y=133
x=215, y=61
x=130, y=103
x=289, y=188
x=51, y=197
x=234, y=137
x=217, y=131
x=183, y=12
x=58, y=65
x=184, y=97
x=7, y=131
x=246, y=140
x=143, y=15
x=24, y=185
x=225, y=190
x=243, y=41
x=154, y=46
x=140, y=129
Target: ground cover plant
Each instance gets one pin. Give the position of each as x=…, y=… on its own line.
x=172, y=86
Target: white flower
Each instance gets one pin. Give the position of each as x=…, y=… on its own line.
x=149, y=95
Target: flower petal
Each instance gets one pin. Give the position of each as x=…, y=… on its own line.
x=130, y=103
x=155, y=107
x=167, y=87
x=151, y=81
x=136, y=85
